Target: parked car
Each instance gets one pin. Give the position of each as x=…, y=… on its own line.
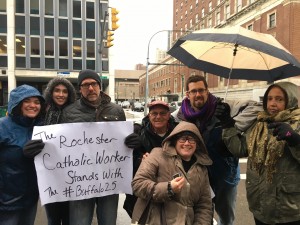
x=174, y=106
x=137, y=106
x=125, y=105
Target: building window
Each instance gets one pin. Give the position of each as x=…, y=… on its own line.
x=20, y=24
x=63, y=8
x=76, y=48
x=209, y=7
x=202, y=13
x=3, y=45
x=209, y=25
x=227, y=11
x=185, y=14
x=49, y=47
x=3, y=61
x=90, y=49
x=35, y=62
x=34, y=7
x=20, y=45
x=49, y=63
x=90, y=64
x=35, y=46
x=90, y=10
x=250, y=27
x=34, y=25
x=3, y=24
x=49, y=7
x=191, y=9
x=2, y=6
x=181, y=18
x=90, y=29
x=77, y=29
x=49, y=27
x=20, y=62
x=19, y=6
x=197, y=3
x=77, y=64
x=63, y=64
x=197, y=18
x=76, y=9
x=218, y=18
x=63, y=47
x=272, y=20
x=238, y=5
x=191, y=23
x=63, y=27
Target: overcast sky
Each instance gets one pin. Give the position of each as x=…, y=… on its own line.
x=139, y=20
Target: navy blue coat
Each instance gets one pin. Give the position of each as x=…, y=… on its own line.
x=18, y=182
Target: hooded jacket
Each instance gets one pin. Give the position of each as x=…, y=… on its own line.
x=53, y=114
x=18, y=182
x=193, y=204
x=277, y=201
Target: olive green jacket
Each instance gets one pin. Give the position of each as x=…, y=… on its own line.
x=279, y=201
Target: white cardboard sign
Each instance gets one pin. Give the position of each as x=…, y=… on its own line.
x=83, y=160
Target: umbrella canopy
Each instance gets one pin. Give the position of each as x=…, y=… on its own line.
x=236, y=53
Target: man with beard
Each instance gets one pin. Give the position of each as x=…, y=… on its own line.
x=199, y=107
x=92, y=106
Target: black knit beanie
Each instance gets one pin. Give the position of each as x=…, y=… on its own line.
x=84, y=74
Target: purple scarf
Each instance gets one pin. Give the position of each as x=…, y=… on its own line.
x=202, y=115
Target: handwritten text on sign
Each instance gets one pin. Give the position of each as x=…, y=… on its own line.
x=83, y=160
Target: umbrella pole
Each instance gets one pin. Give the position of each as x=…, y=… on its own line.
x=229, y=75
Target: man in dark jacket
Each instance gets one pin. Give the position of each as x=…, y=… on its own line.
x=93, y=105
x=199, y=107
x=156, y=126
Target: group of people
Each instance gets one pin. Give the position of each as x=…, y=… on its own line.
x=172, y=182
x=185, y=164
x=18, y=181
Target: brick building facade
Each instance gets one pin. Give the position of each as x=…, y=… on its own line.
x=279, y=18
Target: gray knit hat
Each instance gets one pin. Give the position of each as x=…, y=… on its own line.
x=84, y=74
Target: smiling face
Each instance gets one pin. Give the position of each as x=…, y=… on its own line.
x=276, y=101
x=197, y=94
x=60, y=95
x=185, y=147
x=159, y=117
x=90, y=89
x=31, y=107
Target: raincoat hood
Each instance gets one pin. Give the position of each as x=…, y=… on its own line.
x=183, y=126
x=289, y=89
x=20, y=93
x=57, y=81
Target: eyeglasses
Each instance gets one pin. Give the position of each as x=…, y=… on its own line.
x=186, y=138
x=87, y=85
x=195, y=91
x=155, y=114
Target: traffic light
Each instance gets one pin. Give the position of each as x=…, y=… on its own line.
x=114, y=19
x=109, y=39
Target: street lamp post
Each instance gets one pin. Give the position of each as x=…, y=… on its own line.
x=147, y=68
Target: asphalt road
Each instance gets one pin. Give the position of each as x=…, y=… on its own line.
x=243, y=215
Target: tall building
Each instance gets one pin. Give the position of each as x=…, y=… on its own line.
x=276, y=17
x=42, y=39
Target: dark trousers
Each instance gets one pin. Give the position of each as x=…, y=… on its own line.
x=257, y=222
x=57, y=213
